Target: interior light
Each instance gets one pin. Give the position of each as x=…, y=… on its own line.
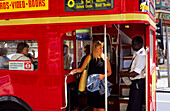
x=127, y=26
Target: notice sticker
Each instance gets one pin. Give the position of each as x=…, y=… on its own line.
x=20, y=65
x=22, y=5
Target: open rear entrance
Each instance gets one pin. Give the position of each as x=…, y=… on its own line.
x=119, y=53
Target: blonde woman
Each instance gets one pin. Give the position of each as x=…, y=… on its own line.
x=96, y=66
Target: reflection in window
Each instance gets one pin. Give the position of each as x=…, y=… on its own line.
x=68, y=51
x=152, y=10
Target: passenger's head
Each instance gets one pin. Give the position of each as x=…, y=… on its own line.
x=97, y=49
x=65, y=49
x=5, y=51
x=87, y=49
x=23, y=48
x=137, y=43
x=1, y=52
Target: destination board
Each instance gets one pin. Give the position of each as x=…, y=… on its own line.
x=87, y=5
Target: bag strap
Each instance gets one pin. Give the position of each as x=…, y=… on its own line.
x=131, y=63
x=88, y=61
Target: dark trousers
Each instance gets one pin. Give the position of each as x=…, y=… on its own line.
x=136, y=95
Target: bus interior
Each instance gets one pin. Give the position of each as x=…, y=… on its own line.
x=119, y=52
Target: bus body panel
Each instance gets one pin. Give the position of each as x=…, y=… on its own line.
x=46, y=85
x=47, y=79
x=56, y=8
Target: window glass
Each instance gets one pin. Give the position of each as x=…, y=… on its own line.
x=80, y=52
x=151, y=47
x=83, y=51
x=152, y=10
x=83, y=45
x=25, y=57
x=68, y=52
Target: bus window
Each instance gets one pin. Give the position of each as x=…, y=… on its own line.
x=83, y=51
x=9, y=48
x=151, y=47
x=68, y=52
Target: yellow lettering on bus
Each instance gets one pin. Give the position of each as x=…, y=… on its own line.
x=82, y=1
x=71, y=3
x=89, y=6
x=106, y=4
x=100, y=0
x=98, y=5
x=89, y=1
x=79, y=6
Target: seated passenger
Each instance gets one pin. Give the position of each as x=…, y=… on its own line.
x=22, y=52
x=5, y=51
x=3, y=62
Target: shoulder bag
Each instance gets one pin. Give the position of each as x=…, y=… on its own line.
x=83, y=78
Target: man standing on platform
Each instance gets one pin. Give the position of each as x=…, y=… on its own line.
x=137, y=76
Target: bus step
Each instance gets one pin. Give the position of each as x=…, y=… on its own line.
x=123, y=98
x=124, y=90
x=113, y=103
x=126, y=45
x=127, y=57
x=123, y=105
x=124, y=70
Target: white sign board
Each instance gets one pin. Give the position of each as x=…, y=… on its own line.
x=20, y=65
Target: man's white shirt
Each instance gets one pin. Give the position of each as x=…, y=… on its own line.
x=138, y=64
x=19, y=56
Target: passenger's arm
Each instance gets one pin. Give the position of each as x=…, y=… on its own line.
x=129, y=74
x=81, y=69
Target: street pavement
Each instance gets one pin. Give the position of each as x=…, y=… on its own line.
x=163, y=100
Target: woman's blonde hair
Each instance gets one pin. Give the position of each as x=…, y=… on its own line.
x=94, y=46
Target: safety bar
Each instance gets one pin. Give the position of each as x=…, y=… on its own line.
x=146, y=80
x=66, y=101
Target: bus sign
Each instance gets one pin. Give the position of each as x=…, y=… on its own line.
x=87, y=5
x=20, y=65
x=22, y=5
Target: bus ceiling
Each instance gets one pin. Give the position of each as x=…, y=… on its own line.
x=91, y=33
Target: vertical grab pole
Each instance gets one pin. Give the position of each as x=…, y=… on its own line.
x=146, y=80
x=91, y=39
x=167, y=54
x=105, y=52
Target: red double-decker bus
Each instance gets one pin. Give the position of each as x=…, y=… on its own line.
x=47, y=26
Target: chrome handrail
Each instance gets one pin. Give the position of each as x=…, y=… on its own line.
x=146, y=80
x=66, y=101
